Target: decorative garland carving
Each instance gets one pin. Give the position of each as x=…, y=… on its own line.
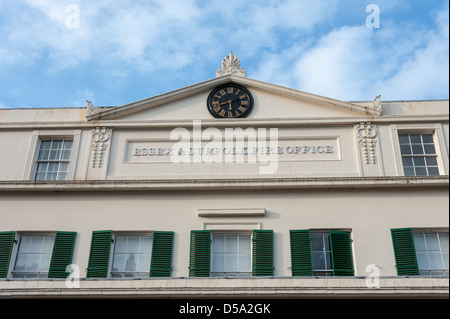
x=100, y=137
x=367, y=133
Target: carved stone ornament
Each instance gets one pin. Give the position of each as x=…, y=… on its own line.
x=230, y=66
x=90, y=108
x=100, y=137
x=367, y=133
x=376, y=104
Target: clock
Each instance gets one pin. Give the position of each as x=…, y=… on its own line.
x=230, y=101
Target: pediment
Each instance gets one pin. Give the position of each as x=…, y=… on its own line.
x=270, y=102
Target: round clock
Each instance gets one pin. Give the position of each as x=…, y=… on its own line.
x=230, y=101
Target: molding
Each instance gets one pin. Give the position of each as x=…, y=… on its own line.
x=100, y=137
x=234, y=212
x=270, y=287
x=367, y=134
x=247, y=122
x=188, y=91
x=228, y=184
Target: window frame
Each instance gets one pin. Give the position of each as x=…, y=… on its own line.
x=18, y=239
x=424, y=155
x=113, y=247
x=32, y=157
x=250, y=272
x=429, y=231
x=326, y=272
x=436, y=129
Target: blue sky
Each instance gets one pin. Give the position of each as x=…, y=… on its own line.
x=126, y=50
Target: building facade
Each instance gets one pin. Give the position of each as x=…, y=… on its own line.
x=227, y=188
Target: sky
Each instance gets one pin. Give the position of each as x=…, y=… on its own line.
x=60, y=53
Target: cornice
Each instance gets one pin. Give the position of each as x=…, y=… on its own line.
x=211, y=184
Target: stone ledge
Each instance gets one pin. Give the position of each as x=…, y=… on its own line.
x=284, y=287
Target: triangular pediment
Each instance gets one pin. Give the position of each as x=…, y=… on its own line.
x=270, y=102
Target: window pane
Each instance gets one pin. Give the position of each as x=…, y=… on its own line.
x=65, y=155
x=432, y=241
x=409, y=171
x=219, y=243
x=415, y=138
x=445, y=258
x=417, y=149
x=231, y=262
x=144, y=261
x=21, y=262
x=405, y=149
x=45, y=145
x=429, y=149
x=245, y=262
x=421, y=171
x=119, y=262
x=120, y=244
x=68, y=145
x=422, y=259
x=407, y=161
x=403, y=138
x=57, y=144
x=130, y=262
x=317, y=242
x=318, y=260
x=133, y=244
x=231, y=243
x=48, y=244
x=43, y=155
x=427, y=138
x=419, y=161
x=218, y=263
x=419, y=241
x=244, y=243
x=435, y=260
x=431, y=161
x=443, y=239
x=433, y=171
x=146, y=244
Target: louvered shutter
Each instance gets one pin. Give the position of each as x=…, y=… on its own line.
x=301, y=253
x=100, y=254
x=405, y=252
x=200, y=254
x=6, y=247
x=341, y=253
x=262, y=264
x=62, y=254
x=161, y=265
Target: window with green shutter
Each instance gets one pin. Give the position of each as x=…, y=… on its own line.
x=200, y=254
x=262, y=264
x=405, y=252
x=62, y=254
x=341, y=253
x=6, y=247
x=161, y=265
x=99, y=254
x=301, y=253
x=319, y=253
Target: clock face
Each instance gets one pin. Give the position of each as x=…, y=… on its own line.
x=230, y=101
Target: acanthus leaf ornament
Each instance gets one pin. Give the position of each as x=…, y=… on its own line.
x=230, y=66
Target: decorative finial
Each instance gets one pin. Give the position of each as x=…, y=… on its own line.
x=376, y=104
x=230, y=66
x=90, y=108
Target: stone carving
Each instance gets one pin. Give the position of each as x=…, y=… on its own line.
x=230, y=66
x=367, y=133
x=376, y=104
x=100, y=137
x=90, y=108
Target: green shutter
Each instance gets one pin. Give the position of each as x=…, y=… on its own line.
x=341, y=253
x=6, y=247
x=405, y=252
x=62, y=254
x=100, y=254
x=262, y=264
x=301, y=253
x=161, y=265
x=200, y=254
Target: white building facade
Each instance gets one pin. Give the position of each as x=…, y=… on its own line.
x=227, y=188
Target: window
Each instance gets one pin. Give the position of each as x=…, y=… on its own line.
x=420, y=253
x=419, y=156
x=321, y=254
x=432, y=253
x=33, y=256
x=231, y=255
x=53, y=160
x=132, y=256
